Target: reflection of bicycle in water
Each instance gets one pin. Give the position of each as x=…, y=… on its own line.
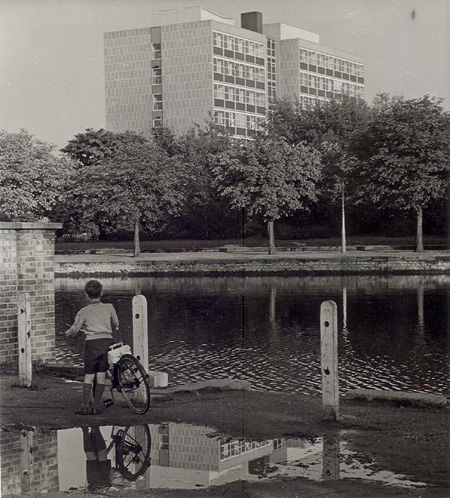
x=132, y=450
x=132, y=446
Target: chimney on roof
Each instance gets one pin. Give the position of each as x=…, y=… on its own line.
x=252, y=21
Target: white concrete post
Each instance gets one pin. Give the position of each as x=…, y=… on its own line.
x=329, y=360
x=140, y=330
x=24, y=338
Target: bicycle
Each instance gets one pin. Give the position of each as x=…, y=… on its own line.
x=128, y=377
x=132, y=450
x=132, y=445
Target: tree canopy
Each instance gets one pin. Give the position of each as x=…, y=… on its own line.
x=134, y=189
x=403, y=156
x=268, y=177
x=97, y=146
x=32, y=178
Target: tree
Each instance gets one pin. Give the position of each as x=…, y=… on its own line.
x=134, y=188
x=403, y=156
x=268, y=177
x=97, y=146
x=204, y=214
x=32, y=178
x=327, y=126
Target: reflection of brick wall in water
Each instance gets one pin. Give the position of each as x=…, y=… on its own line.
x=43, y=462
x=187, y=447
x=27, y=262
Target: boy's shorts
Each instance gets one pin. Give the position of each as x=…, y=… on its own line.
x=93, y=441
x=96, y=355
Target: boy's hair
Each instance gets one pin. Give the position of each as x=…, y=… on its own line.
x=93, y=289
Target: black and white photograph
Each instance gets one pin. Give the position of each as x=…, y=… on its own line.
x=225, y=250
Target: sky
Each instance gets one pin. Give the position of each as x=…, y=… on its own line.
x=51, y=51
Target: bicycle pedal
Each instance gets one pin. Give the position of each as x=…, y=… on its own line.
x=108, y=402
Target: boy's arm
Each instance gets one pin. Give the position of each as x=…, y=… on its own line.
x=114, y=319
x=75, y=328
x=115, y=325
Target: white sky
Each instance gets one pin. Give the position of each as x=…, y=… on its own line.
x=51, y=51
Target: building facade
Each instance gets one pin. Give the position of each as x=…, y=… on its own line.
x=192, y=66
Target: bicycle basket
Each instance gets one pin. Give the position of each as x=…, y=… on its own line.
x=116, y=351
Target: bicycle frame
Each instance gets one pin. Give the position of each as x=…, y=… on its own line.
x=112, y=377
x=130, y=379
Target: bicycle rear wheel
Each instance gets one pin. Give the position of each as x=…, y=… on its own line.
x=133, y=451
x=133, y=383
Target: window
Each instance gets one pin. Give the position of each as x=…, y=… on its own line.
x=156, y=50
x=156, y=76
x=157, y=102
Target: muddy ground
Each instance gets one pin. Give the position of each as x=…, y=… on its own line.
x=407, y=439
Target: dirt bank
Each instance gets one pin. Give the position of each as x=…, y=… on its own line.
x=403, y=438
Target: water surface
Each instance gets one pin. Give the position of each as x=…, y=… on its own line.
x=392, y=330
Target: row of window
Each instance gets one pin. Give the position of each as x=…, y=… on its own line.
x=230, y=42
x=239, y=70
x=330, y=62
x=308, y=101
x=322, y=94
x=238, y=447
x=231, y=119
x=241, y=95
x=327, y=84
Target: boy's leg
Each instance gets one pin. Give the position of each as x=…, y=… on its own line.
x=87, y=393
x=101, y=368
x=99, y=389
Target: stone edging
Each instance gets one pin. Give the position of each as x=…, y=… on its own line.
x=369, y=265
x=437, y=400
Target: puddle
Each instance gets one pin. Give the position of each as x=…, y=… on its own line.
x=175, y=456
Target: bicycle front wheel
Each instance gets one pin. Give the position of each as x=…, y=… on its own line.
x=133, y=451
x=133, y=383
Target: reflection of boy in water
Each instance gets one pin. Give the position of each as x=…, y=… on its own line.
x=98, y=467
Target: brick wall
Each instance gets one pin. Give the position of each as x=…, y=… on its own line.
x=27, y=265
x=41, y=473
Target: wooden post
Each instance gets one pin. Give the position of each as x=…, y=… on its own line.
x=26, y=460
x=24, y=338
x=329, y=360
x=140, y=330
x=331, y=460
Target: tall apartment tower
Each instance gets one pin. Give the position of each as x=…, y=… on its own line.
x=191, y=65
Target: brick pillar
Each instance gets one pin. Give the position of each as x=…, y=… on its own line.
x=27, y=265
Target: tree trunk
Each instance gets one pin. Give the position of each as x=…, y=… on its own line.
x=271, y=237
x=137, y=243
x=419, y=233
x=344, y=240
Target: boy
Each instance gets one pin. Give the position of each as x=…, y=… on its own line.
x=98, y=321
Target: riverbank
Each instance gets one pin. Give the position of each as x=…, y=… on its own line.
x=237, y=260
x=403, y=437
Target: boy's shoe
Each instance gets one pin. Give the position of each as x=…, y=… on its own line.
x=97, y=410
x=84, y=411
